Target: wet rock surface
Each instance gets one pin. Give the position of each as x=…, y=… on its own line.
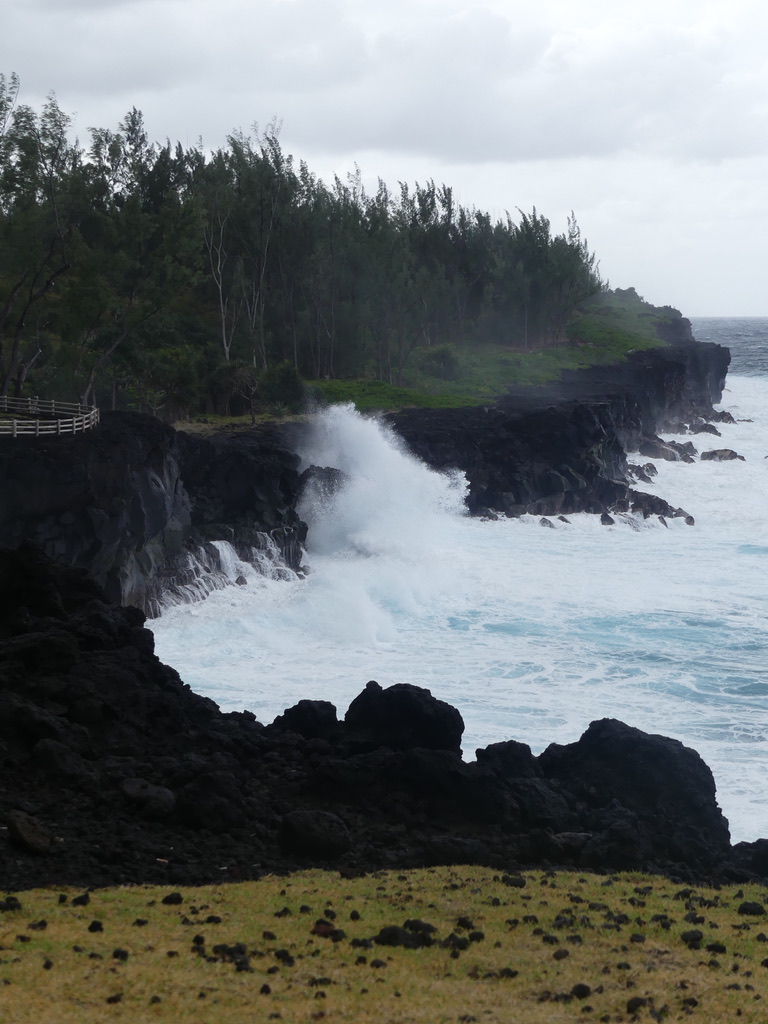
x=721, y=455
x=561, y=448
x=131, y=500
x=114, y=771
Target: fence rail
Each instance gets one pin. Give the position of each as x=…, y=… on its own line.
x=59, y=417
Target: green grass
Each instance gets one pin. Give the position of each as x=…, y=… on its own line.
x=485, y=373
x=539, y=948
x=605, y=331
x=616, y=322
x=376, y=396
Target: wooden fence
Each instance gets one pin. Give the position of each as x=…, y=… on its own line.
x=40, y=417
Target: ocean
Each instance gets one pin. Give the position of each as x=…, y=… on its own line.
x=531, y=633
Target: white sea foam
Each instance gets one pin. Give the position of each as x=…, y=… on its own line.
x=531, y=633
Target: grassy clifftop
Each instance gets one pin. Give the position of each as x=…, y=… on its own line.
x=604, y=331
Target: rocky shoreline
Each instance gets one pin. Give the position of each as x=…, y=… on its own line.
x=140, y=506
x=114, y=772
x=563, y=448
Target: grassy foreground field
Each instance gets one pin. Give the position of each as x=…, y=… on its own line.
x=536, y=947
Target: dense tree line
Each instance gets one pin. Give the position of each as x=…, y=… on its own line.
x=180, y=279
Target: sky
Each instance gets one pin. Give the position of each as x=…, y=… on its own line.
x=646, y=119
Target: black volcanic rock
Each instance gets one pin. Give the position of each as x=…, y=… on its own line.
x=113, y=771
x=662, y=792
x=560, y=448
x=312, y=719
x=544, y=461
x=314, y=834
x=402, y=717
x=129, y=500
x=509, y=759
x=721, y=455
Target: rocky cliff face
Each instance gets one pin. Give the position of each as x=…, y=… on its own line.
x=136, y=503
x=562, y=448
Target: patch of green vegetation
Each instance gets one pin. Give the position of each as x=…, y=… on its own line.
x=377, y=396
x=606, y=330
x=435, y=945
x=482, y=374
x=617, y=322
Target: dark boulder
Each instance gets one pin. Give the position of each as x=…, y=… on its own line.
x=669, y=451
x=542, y=805
x=652, y=505
x=402, y=717
x=749, y=860
x=314, y=834
x=442, y=849
x=617, y=847
x=153, y=801
x=212, y=801
x=685, y=449
x=666, y=785
x=722, y=416
x=312, y=719
x=721, y=455
x=644, y=473
x=422, y=787
x=453, y=790
x=321, y=483
x=28, y=833
x=59, y=760
x=509, y=759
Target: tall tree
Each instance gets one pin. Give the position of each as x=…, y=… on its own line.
x=40, y=208
x=139, y=242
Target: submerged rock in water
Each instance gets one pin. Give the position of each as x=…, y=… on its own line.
x=721, y=455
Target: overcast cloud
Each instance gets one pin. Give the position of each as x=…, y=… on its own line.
x=648, y=120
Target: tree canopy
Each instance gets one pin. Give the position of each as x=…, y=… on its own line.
x=180, y=280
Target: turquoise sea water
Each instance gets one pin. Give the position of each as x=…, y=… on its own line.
x=532, y=633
